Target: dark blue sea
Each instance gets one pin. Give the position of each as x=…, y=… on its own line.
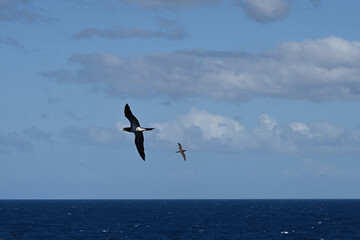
x=179, y=219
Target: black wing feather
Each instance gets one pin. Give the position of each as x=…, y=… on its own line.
x=139, y=142
x=128, y=114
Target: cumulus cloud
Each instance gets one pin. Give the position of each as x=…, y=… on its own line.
x=200, y=129
x=18, y=10
x=154, y=4
x=203, y=130
x=270, y=136
x=265, y=11
x=316, y=70
x=169, y=29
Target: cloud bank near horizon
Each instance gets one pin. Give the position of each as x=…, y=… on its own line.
x=203, y=130
x=200, y=130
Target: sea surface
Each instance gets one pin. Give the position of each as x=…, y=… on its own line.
x=180, y=219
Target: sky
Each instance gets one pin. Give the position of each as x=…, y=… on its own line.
x=263, y=94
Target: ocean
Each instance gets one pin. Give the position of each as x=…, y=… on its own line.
x=180, y=219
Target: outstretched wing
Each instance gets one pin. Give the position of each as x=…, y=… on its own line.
x=180, y=147
x=139, y=142
x=128, y=114
x=183, y=154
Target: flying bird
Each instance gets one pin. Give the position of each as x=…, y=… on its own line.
x=182, y=151
x=137, y=130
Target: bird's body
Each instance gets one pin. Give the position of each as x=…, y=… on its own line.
x=137, y=130
x=181, y=151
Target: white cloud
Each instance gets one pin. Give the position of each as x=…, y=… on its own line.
x=329, y=52
x=270, y=136
x=264, y=11
x=301, y=128
x=203, y=130
x=200, y=129
x=316, y=70
x=320, y=130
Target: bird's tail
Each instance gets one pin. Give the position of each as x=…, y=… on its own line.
x=177, y=151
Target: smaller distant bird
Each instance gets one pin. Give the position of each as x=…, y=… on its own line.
x=137, y=130
x=182, y=151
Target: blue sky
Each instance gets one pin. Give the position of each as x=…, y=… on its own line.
x=263, y=94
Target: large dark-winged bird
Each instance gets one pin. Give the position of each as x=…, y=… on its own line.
x=137, y=130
